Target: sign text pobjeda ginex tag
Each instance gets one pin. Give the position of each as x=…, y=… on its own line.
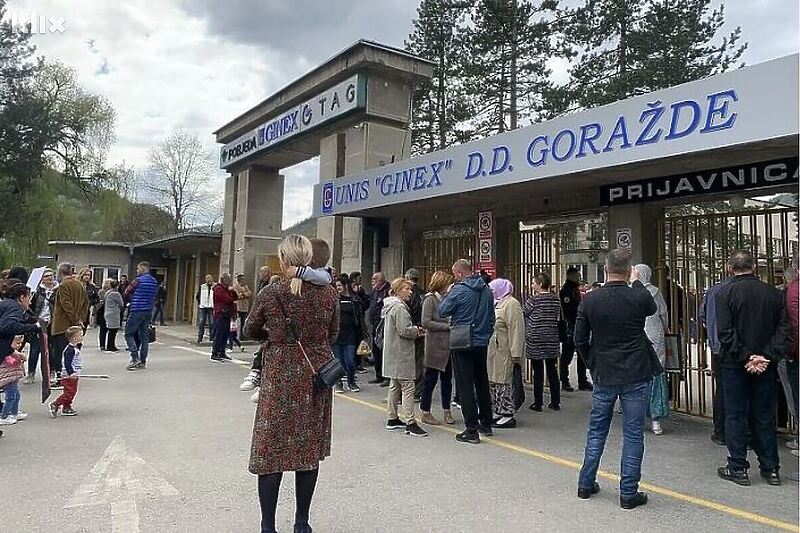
x=329, y=104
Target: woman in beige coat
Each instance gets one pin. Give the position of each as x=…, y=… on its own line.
x=437, y=351
x=506, y=348
x=399, y=363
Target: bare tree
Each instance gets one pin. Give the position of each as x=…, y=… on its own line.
x=178, y=176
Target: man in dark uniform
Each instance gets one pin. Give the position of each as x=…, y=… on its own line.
x=570, y=296
x=415, y=309
x=380, y=290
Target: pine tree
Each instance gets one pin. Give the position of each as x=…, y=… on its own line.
x=676, y=43
x=509, y=42
x=630, y=47
x=606, y=70
x=440, y=104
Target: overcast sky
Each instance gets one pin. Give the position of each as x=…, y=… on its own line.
x=197, y=64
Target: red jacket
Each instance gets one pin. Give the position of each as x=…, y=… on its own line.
x=791, y=307
x=224, y=299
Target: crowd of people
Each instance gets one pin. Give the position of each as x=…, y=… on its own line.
x=464, y=332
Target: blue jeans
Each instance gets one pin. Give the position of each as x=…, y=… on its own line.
x=634, y=398
x=346, y=354
x=11, y=405
x=205, y=317
x=137, y=325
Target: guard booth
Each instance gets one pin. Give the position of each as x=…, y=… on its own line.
x=681, y=177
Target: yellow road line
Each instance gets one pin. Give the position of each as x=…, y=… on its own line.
x=700, y=502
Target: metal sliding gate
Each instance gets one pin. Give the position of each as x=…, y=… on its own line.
x=693, y=258
x=532, y=251
x=439, y=249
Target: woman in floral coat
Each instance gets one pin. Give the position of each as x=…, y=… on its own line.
x=292, y=428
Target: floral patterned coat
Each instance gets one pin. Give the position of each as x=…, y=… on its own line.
x=292, y=427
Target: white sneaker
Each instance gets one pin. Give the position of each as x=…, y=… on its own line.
x=254, y=397
x=20, y=416
x=250, y=381
x=657, y=428
x=8, y=421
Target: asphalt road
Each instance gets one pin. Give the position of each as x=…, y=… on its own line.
x=166, y=450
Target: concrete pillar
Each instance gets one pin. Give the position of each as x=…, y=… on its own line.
x=642, y=221
x=369, y=145
x=258, y=219
x=392, y=256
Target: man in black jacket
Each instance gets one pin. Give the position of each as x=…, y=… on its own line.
x=380, y=290
x=610, y=336
x=570, y=296
x=753, y=327
x=415, y=309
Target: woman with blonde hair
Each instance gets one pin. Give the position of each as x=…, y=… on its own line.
x=292, y=429
x=399, y=364
x=506, y=347
x=437, y=351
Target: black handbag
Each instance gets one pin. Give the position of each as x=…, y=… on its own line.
x=151, y=334
x=329, y=373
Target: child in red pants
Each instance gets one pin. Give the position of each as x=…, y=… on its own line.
x=73, y=364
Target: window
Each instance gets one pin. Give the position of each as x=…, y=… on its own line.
x=100, y=273
x=601, y=274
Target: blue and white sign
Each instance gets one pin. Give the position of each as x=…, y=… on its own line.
x=334, y=102
x=742, y=106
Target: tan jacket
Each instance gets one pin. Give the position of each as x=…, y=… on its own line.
x=244, y=292
x=508, y=340
x=70, y=307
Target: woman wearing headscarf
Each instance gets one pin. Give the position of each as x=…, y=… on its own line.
x=654, y=327
x=506, y=347
x=542, y=311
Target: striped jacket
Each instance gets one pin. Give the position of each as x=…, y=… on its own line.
x=542, y=312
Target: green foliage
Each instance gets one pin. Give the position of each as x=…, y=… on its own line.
x=509, y=43
x=631, y=47
x=57, y=208
x=440, y=104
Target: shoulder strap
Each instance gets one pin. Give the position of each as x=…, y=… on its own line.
x=293, y=333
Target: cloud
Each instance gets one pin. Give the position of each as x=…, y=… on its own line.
x=198, y=64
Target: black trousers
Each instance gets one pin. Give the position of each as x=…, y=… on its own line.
x=719, y=397
x=567, y=352
x=257, y=360
x=242, y=320
x=100, y=320
x=158, y=313
x=111, y=339
x=472, y=380
x=419, y=363
x=750, y=399
x=58, y=346
x=377, y=355
x=539, y=367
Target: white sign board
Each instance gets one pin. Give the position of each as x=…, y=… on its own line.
x=624, y=238
x=334, y=102
x=734, y=108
